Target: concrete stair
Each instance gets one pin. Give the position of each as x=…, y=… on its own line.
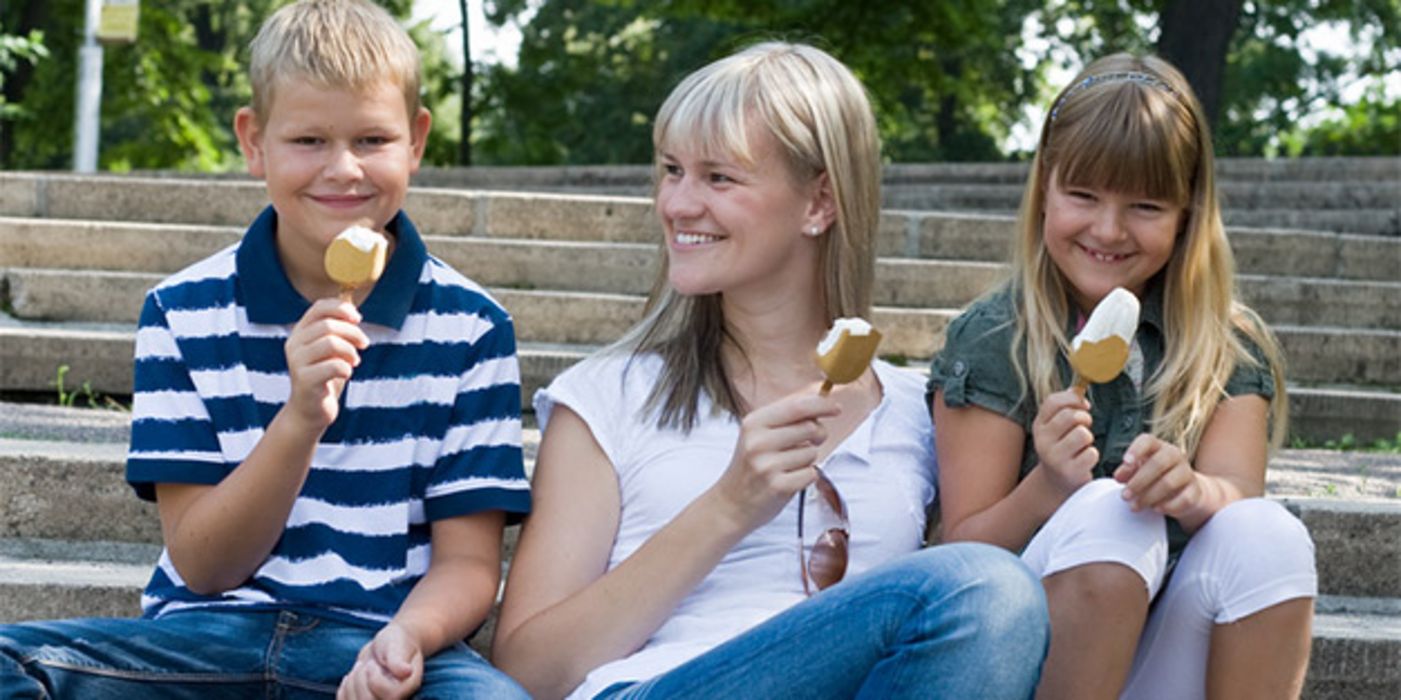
x=77, y=253
x=75, y=542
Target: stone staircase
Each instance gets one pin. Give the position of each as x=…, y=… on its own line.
x=77, y=253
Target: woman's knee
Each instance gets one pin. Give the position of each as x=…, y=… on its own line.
x=989, y=584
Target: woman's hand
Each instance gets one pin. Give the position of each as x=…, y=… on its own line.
x=322, y=351
x=1156, y=475
x=1065, y=445
x=774, y=458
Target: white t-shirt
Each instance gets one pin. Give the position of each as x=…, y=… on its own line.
x=884, y=470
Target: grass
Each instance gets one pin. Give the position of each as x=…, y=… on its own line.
x=1348, y=443
x=89, y=398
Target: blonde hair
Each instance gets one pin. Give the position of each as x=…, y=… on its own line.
x=350, y=44
x=1133, y=125
x=820, y=118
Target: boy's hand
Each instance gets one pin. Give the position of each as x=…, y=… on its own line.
x=1157, y=475
x=390, y=666
x=1065, y=445
x=322, y=351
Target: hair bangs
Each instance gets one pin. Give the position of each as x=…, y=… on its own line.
x=707, y=115
x=1125, y=138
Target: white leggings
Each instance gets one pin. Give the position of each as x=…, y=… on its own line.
x=1251, y=555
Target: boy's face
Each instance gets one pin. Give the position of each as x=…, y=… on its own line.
x=331, y=156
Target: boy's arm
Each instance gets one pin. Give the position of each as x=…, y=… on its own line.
x=219, y=535
x=450, y=601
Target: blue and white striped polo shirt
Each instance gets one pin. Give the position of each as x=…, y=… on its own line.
x=429, y=425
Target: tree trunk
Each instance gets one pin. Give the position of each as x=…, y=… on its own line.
x=1196, y=35
x=464, y=145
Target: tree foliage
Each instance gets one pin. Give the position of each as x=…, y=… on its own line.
x=167, y=101
x=592, y=74
x=948, y=80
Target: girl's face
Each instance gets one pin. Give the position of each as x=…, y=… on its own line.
x=1101, y=239
x=736, y=227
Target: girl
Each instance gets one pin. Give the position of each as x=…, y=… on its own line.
x=663, y=556
x=1100, y=492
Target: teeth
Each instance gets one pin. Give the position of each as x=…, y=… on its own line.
x=695, y=238
x=1104, y=257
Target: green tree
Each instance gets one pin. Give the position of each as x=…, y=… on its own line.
x=944, y=77
x=168, y=100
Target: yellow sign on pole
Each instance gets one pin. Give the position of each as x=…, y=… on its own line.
x=118, y=21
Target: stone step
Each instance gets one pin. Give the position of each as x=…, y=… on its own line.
x=99, y=355
x=56, y=294
x=58, y=488
x=1356, y=641
x=637, y=178
x=1236, y=197
x=230, y=205
x=1315, y=354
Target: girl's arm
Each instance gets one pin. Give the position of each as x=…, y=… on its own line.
x=1230, y=465
x=565, y=613
x=980, y=454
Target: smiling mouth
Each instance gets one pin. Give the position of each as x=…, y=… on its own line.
x=695, y=238
x=1104, y=257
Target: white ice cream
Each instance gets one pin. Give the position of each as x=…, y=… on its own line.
x=853, y=326
x=1116, y=314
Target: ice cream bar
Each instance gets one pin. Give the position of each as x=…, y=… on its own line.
x=356, y=258
x=1099, y=351
x=846, y=351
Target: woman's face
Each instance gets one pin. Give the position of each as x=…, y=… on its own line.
x=1101, y=239
x=737, y=227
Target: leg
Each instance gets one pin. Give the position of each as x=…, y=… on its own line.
x=955, y=621
x=313, y=653
x=1101, y=563
x=184, y=655
x=1097, y=614
x=460, y=672
x=1235, y=620
x=1264, y=655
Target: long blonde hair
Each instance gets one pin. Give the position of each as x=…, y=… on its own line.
x=820, y=117
x=1132, y=124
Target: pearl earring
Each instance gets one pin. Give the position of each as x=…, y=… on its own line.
x=813, y=231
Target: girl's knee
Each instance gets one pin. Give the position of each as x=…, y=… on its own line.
x=1096, y=526
x=1259, y=529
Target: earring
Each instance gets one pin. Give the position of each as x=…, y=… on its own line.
x=812, y=231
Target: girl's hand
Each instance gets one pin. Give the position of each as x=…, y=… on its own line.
x=322, y=351
x=1157, y=475
x=390, y=666
x=1065, y=445
x=774, y=458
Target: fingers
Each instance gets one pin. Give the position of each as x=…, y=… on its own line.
x=1156, y=475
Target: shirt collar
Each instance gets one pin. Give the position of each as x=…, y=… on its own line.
x=270, y=297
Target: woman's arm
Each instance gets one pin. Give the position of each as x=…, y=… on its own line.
x=564, y=613
x=1230, y=465
x=980, y=455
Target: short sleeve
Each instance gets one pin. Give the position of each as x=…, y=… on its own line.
x=481, y=466
x=974, y=367
x=1252, y=378
x=173, y=439
x=596, y=390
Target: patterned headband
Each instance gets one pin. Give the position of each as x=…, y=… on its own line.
x=1121, y=77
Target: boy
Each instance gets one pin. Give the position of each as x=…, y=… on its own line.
x=332, y=482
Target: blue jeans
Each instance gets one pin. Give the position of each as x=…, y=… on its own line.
x=953, y=621
x=213, y=654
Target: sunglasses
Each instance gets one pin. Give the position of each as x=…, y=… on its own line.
x=827, y=563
